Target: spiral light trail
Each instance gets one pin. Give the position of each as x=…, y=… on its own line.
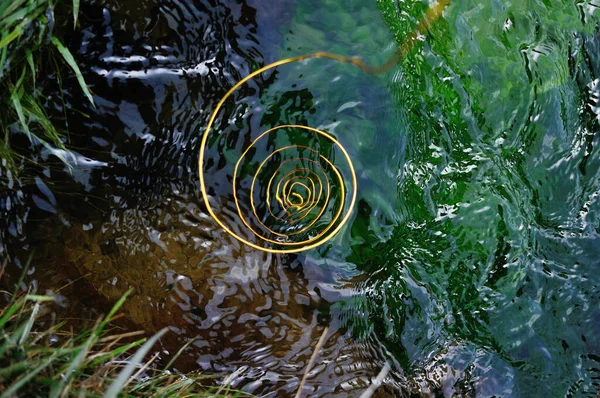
x=300, y=197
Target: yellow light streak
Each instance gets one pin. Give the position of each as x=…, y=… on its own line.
x=304, y=205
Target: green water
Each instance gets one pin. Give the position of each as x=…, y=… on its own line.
x=471, y=261
x=494, y=253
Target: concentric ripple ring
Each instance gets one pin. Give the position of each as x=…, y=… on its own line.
x=318, y=237
x=286, y=190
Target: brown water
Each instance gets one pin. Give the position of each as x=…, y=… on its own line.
x=128, y=213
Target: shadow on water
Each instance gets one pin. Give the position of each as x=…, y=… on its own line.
x=470, y=262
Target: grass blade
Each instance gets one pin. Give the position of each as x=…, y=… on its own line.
x=175, y=389
x=34, y=312
x=14, y=96
x=3, y=62
x=121, y=381
x=75, y=364
x=29, y=324
x=172, y=361
x=64, y=51
x=17, y=367
x=12, y=309
x=29, y=57
x=23, y=15
x=114, y=309
x=8, y=7
x=38, y=299
x=6, y=39
x=28, y=263
x=229, y=379
x=75, y=11
x=11, y=391
x=114, y=353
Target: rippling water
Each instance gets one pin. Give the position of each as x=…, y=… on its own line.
x=470, y=262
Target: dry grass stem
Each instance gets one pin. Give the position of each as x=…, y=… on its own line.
x=377, y=382
x=311, y=362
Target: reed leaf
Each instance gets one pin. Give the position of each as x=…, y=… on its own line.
x=68, y=57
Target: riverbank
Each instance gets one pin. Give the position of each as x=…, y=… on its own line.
x=41, y=356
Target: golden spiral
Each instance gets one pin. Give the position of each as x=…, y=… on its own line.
x=294, y=196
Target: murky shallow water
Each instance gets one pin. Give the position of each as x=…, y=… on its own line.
x=470, y=262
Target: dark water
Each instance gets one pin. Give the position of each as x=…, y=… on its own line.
x=470, y=262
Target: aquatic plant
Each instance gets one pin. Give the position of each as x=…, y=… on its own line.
x=499, y=116
x=30, y=42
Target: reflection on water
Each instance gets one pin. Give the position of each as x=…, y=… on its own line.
x=470, y=262
x=129, y=213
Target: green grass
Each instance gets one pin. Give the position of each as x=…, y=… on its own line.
x=29, y=42
x=41, y=359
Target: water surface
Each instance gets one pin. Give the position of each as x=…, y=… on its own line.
x=470, y=260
